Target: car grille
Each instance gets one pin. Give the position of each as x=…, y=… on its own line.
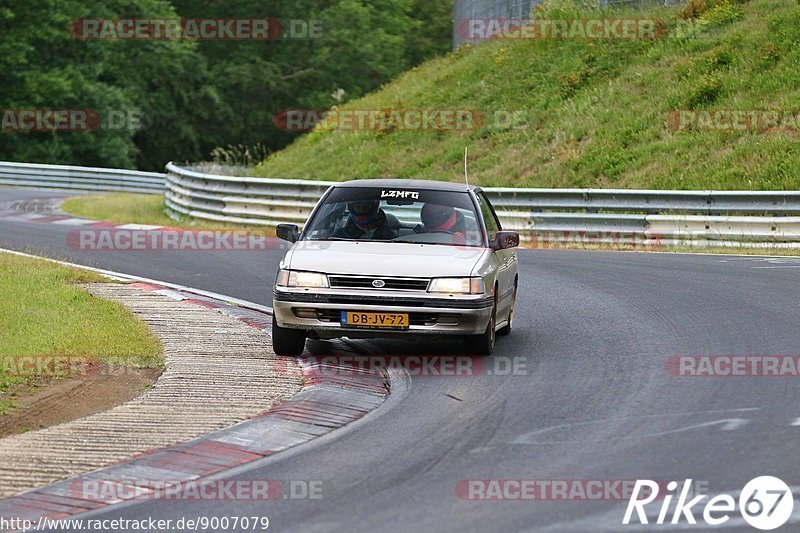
x=374, y=299
x=365, y=282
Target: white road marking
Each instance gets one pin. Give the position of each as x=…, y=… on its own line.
x=169, y=293
x=771, y=262
x=119, y=276
x=74, y=221
x=779, y=262
x=795, y=422
x=729, y=424
x=30, y=216
x=139, y=226
x=755, y=258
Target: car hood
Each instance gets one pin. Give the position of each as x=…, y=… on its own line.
x=384, y=259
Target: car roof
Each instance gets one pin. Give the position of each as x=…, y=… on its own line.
x=408, y=184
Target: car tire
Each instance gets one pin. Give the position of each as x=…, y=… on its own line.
x=287, y=342
x=505, y=330
x=482, y=344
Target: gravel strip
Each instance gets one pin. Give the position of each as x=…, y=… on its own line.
x=219, y=371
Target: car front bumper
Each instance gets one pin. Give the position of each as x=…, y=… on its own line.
x=319, y=312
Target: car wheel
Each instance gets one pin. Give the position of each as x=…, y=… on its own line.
x=505, y=330
x=482, y=344
x=287, y=342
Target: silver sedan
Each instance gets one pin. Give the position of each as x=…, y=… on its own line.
x=380, y=258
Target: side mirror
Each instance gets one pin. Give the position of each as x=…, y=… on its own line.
x=288, y=232
x=506, y=239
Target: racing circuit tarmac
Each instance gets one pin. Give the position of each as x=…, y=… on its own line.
x=593, y=397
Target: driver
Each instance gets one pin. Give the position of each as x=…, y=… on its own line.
x=366, y=221
x=441, y=218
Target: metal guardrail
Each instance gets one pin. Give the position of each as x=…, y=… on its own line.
x=244, y=200
x=583, y=216
x=563, y=215
x=710, y=203
x=80, y=178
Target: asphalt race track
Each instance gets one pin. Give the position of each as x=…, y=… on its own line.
x=593, y=401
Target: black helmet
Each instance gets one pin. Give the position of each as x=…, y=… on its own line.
x=436, y=216
x=364, y=213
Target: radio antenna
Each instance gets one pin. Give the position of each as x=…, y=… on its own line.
x=466, y=175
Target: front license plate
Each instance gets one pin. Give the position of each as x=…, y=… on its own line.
x=358, y=319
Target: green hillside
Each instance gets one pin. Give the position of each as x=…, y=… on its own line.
x=594, y=113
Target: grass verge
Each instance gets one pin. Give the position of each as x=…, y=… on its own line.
x=129, y=208
x=44, y=314
x=594, y=113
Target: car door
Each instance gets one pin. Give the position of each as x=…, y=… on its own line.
x=505, y=259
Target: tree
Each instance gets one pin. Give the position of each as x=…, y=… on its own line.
x=192, y=96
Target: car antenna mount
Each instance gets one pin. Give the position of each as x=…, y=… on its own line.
x=466, y=175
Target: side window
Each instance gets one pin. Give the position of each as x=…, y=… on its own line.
x=492, y=224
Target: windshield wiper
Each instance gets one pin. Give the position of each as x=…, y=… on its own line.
x=346, y=239
x=406, y=241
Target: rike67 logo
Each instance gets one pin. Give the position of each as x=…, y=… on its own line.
x=764, y=503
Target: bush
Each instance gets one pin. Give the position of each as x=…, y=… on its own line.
x=716, y=11
x=693, y=9
x=721, y=57
x=770, y=53
x=705, y=92
x=722, y=13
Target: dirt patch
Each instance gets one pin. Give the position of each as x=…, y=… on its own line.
x=45, y=404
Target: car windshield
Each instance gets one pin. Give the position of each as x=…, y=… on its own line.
x=396, y=215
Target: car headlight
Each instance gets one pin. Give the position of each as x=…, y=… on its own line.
x=457, y=285
x=298, y=278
